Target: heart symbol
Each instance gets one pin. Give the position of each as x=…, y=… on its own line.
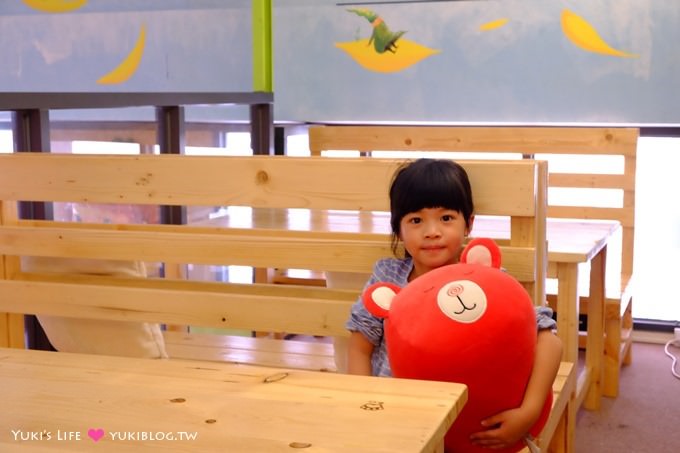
x=95, y=434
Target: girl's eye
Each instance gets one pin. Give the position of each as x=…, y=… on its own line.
x=414, y=220
x=447, y=218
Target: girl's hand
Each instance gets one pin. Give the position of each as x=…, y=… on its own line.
x=508, y=427
x=503, y=430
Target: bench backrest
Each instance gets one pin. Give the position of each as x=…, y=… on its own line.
x=614, y=147
x=263, y=182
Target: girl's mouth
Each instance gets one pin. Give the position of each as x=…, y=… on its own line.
x=433, y=247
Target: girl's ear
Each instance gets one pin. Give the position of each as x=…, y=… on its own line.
x=470, y=224
x=482, y=251
x=378, y=298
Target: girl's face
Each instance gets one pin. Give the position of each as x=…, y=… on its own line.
x=433, y=237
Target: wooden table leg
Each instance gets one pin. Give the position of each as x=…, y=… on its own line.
x=567, y=330
x=567, y=309
x=595, y=336
x=612, y=360
x=613, y=326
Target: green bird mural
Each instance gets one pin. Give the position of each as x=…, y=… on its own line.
x=382, y=38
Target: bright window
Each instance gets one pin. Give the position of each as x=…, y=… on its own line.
x=458, y=155
x=6, y=142
x=87, y=147
x=657, y=229
x=297, y=145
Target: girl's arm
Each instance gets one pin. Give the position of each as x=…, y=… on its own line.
x=506, y=428
x=546, y=366
x=359, y=353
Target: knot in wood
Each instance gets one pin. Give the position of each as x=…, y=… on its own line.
x=262, y=177
x=275, y=378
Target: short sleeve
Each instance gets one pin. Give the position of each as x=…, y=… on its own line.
x=544, y=318
x=386, y=270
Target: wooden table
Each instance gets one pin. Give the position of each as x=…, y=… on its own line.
x=73, y=401
x=571, y=245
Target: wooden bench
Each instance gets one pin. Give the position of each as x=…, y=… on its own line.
x=262, y=182
x=613, y=150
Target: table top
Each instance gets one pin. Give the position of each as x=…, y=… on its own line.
x=568, y=240
x=68, y=402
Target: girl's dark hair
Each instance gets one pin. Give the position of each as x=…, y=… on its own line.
x=428, y=183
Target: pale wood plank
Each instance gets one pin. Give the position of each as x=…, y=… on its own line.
x=525, y=140
x=305, y=355
x=624, y=181
x=328, y=251
x=198, y=303
x=623, y=215
x=595, y=341
x=11, y=324
x=259, y=181
x=231, y=407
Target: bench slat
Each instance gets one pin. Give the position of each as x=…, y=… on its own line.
x=529, y=140
x=269, y=248
x=306, y=355
x=329, y=251
x=258, y=181
x=201, y=306
x=624, y=215
x=600, y=181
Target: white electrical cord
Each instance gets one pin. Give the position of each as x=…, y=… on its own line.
x=675, y=343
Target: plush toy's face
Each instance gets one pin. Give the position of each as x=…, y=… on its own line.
x=468, y=322
x=462, y=300
x=453, y=314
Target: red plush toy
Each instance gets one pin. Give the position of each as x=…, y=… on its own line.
x=470, y=323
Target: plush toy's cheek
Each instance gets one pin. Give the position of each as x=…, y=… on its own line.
x=383, y=297
x=462, y=300
x=378, y=298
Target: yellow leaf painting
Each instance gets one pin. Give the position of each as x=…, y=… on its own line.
x=584, y=36
x=129, y=65
x=55, y=6
x=493, y=24
x=407, y=54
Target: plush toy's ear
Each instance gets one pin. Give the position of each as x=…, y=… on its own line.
x=378, y=297
x=482, y=251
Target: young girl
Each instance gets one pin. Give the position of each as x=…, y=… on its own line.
x=431, y=214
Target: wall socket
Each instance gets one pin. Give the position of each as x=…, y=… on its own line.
x=677, y=336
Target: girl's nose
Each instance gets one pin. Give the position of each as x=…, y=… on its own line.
x=431, y=230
